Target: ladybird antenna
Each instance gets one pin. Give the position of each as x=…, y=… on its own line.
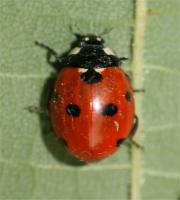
x=78, y=35
x=106, y=31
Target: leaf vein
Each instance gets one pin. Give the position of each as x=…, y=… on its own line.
x=67, y=168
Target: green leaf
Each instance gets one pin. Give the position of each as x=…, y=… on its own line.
x=33, y=164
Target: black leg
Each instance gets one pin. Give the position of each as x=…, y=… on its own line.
x=136, y=144
x=131, y=135
x=121, y=59
x=138, y=90
x=135, y=127
x=128, y=76
x=39, y=110
x=133, y=131
x=130, y=80
x=51, y=52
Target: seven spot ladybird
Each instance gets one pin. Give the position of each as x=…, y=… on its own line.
x=92, y=104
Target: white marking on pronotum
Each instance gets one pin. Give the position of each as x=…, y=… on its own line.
x=99, y=39
x=86, y=38
x=75, y=51
x=99, y=70
x=116, y=125
x=82, y=70
x=108, y=51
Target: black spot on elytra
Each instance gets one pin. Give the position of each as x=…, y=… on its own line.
x=119, y=142
x=128, y=96
x=109, y=109
x=73, y=110
x=54, y=96
x=91, y=76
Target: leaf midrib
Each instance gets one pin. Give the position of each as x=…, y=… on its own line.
x=137, y=70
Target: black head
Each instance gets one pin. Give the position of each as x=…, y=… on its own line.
x=90, y=40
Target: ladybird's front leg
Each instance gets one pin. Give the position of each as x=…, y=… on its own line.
x=50, y=52
x=121, y=59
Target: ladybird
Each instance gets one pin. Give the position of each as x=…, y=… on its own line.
x=92, y=105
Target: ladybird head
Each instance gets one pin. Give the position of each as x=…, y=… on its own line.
x=91, y=40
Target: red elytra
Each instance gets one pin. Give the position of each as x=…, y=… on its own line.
x=92, y=135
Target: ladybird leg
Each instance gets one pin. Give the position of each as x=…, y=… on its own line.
x=44, y=117
x=138, y=90
x=133, y=131
x=136, y=144
x=135, y=127
x=39, y=110
x=121, y=59
x=130, y=80
x=128, y=76
x=49, y=50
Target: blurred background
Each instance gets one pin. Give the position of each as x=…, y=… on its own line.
x=33, y=164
